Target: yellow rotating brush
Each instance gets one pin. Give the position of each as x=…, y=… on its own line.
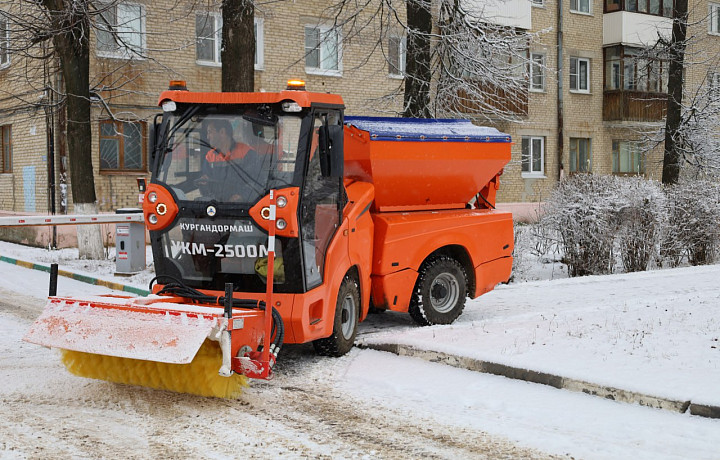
x=200, y=377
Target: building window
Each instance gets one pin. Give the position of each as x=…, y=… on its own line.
x=121, y=31
x=627, y=158
x=533, y=156
x=4, y=42
x=654, y=7
x=259, y=43
x=122, y=146
x=580, y=161
x=6, y=145
x=580, y=75
x=714, y=18
x=397, y=47
x=322, y=50
x=208, y=39
x=612, y=5
x=626, y=68
x=208, y=35
x=537, y=72
x=580, y=6
x=539, y=3
x=613, y=66
x=713, y=87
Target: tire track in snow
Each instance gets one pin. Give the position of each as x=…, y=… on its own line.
x=49, y=413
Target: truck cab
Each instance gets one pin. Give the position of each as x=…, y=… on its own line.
x=273, y=145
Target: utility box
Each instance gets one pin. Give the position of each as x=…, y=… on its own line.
x=129, y=245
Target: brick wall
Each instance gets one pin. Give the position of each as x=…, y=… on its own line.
x=170, y=39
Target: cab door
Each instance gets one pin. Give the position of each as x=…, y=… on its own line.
x=321, y=202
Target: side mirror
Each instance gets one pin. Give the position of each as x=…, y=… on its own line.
x=331, y=150
x=154, y=142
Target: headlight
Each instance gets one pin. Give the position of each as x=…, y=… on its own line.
x=291, y=107
x=281, y=201
x=152, y=197
x=281, y=224
x=169, y=106
x=152, y=218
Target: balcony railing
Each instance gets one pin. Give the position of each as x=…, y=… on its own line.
x=626, y=105
x=495, y=100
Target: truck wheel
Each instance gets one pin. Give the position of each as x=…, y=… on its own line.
x=440, y=292
x=347, y=313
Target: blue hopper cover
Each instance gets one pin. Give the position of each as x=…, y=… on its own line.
x=425, y=129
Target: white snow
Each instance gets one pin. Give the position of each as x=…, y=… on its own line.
x=556, y=421
x=109, y=331
x=655, y=332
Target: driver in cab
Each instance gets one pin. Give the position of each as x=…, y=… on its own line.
x=222, y=176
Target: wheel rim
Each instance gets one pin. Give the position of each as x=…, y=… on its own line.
x=348, y=316
x=444, y=292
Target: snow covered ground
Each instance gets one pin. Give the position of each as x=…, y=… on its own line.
x=654, y=332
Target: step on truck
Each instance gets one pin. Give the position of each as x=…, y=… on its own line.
x=275, y=219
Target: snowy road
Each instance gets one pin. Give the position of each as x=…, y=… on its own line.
x=367, y=404
x=303, y=413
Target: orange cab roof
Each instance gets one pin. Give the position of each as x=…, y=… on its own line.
x=303, y=98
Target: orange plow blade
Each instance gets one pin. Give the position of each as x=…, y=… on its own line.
x=147, y=341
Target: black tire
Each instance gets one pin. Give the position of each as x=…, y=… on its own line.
x=347, y=316
x=440, y=292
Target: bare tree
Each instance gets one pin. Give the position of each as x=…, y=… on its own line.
x=418, y=70
x=689, y=136
x=459, y=62
x=67, y=25
x=50, y=46
x=482, y=67
x=696, y=139
x=238, y=45
x=676, y=55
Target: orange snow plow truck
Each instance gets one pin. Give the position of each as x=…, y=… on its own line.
x=275, y=219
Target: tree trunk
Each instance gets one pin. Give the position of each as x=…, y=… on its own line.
x=73, y=49
x=676, y=57
x=418, y=71
x=238, y=46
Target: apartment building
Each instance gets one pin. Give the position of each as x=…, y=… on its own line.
x=163, y=42
x=591, y=106
x=596, y=101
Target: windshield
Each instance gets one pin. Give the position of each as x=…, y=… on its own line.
x=230, y=157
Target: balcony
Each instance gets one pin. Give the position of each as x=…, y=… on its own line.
x=509, y=13
x=634, y=29
x=626, y=105
x=496, y=101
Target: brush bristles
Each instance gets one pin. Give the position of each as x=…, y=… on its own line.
x=200, y=377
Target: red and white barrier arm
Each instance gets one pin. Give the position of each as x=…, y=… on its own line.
x=69, y=219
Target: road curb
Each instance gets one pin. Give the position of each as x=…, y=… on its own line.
x=543, y=378
x=78, y=277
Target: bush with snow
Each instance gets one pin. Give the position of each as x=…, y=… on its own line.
x=641, y=222
x=693, y=232
x=533, y=253
x=580, y=213
x=597, y=219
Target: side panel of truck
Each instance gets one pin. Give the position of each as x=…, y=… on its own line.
x=404, y=240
